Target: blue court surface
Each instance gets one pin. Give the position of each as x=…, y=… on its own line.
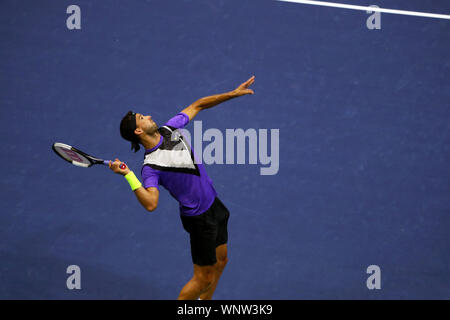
x=364, y=147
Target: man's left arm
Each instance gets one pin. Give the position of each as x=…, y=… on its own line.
x=211, y=101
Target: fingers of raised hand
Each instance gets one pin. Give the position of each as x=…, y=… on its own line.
x=250, y=81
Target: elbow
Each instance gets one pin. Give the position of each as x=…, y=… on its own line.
x=198, y=105
x=151, y=208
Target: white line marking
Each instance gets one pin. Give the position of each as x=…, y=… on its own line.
x=373, y=9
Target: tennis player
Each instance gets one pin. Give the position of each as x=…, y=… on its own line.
x=170, y=162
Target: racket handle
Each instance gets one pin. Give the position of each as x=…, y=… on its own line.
x=122, y=165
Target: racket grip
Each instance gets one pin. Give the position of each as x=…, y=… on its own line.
x=122, y=165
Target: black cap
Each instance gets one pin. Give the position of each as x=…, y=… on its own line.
x=127, y=127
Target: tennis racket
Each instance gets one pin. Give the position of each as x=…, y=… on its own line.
x=79, y=158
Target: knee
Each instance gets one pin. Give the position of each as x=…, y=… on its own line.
x=206, y=278
x=221, y=264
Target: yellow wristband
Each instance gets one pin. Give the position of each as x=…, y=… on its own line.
x=133, y=181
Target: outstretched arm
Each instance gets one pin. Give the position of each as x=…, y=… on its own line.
x=211, y=101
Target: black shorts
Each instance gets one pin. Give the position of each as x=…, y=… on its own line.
x=207, y=231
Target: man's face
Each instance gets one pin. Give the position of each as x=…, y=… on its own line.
x=146, y=124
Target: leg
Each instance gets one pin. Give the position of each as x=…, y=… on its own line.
x=201, y=281
x=222, y=260
x=208, y=236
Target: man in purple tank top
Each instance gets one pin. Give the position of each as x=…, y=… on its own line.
x=170, y=162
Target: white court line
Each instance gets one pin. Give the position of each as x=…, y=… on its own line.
x=353, y=7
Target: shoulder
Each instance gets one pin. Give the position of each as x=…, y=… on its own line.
x=147, y=171
x=179, y=121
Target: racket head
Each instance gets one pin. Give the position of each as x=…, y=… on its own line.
x=75, y=156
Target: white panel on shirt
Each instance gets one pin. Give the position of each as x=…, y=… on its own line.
x=170, y=159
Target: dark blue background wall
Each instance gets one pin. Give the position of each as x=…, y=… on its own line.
x=364, y=147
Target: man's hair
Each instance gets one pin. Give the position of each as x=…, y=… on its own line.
x=127, y=127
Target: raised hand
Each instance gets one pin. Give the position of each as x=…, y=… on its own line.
x=243, y=88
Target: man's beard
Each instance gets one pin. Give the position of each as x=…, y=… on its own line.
x=152, y=130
